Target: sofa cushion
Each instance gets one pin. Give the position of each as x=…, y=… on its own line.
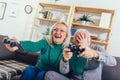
x=112, y=73
x=10, y=68
x=4, y=52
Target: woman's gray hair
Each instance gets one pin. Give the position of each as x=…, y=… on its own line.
x=50, y=38
x=84, y=30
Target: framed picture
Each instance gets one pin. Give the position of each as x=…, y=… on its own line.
x=2, y=9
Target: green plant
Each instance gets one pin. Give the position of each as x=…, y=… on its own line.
x=47, y=31
x=86, y=18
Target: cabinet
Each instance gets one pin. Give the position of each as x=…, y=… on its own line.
x=46, y=15
x=99, y=22
x=100, y=26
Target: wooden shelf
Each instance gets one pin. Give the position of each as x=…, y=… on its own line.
x=99, y=42
x=37, y=26
x=93, y=10
x=48, y=20
x=91, y=27
x=54, y=6
x=59, y=12
x=73, y=13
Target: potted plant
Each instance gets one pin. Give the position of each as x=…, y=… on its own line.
x=85, y=19
x=46, y=32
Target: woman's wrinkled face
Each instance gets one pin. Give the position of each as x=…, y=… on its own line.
x=59, y=33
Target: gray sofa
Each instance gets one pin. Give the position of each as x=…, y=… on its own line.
x=13, y=63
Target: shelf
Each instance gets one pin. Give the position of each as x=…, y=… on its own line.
x=93, y=10
x=48, y=20
x=37, y=26
x=71, y=14
x=92, y=27
x=54, y=6
x=99, y=42
x=59, y=13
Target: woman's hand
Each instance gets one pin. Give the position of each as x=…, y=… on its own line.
x=67, y=54
x=12, y=48
x=15, y=39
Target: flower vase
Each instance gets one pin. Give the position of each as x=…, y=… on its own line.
x=84, y=22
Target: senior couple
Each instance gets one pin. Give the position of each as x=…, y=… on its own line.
x=57, y=62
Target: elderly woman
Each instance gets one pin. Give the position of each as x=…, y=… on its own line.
x=86, y=65
x=50, y=48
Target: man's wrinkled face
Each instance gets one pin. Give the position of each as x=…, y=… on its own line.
x=59, y=33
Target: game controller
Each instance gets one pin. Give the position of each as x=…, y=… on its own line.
x=76, y=49
x=10, y=41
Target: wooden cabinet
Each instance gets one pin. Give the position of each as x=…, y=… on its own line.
x=46, y=15
x=99, y=21
x=99, y=24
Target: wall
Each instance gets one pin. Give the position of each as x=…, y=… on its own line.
x=20, y=26
x=20, y=23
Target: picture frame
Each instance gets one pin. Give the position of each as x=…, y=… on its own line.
x=2, y=9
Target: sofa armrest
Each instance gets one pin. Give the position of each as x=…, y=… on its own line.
x=4, y=52
x=112, y=73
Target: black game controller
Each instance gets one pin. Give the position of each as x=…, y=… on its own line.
x=10, y=41
x=76, y=49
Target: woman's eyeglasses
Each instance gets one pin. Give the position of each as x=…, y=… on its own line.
x=56, y=30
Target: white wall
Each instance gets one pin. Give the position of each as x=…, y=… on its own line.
x=20, y=26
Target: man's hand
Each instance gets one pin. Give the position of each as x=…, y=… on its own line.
x=89, y=53
x=83, y=40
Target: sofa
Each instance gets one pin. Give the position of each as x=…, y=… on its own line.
x=13, y=63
